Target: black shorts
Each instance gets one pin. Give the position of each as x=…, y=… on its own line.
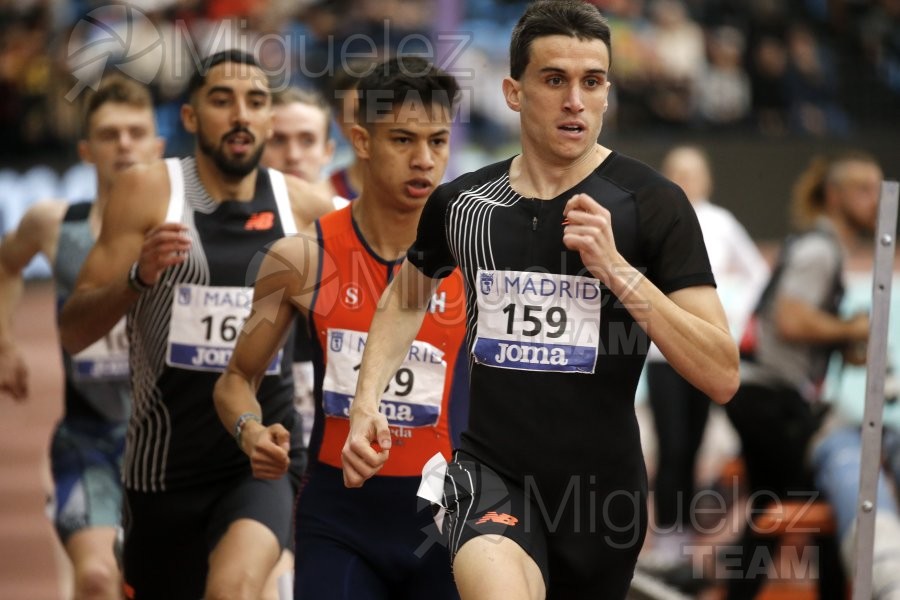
x=169, y=535
x=585, y=539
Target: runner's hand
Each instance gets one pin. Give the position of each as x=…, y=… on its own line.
x=367, y=447
x=268, y=449
x=164, y=245
x=588, y=230
x=13, y=373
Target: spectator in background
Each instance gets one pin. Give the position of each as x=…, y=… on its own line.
x=880, y=37
x=680, y=410
x=723, y=90
x=768, y=78
x=26, y=117
x=678, y=54
x=634, y=51
x=790, y=339
x=837, y=452
x=812, y=86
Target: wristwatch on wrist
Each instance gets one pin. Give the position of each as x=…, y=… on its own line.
x=134, y=280
x=241, y=421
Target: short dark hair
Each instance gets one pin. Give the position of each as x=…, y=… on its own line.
x=344, y=81
x=573, y=18
x=403, y=79
x=308, y=97
x=116, y=89
x=234, y=55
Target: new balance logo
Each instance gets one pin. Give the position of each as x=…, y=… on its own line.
x=261, y=221
x=501, y=518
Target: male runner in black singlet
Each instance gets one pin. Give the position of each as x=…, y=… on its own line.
x=574, y=257
x=174, y=253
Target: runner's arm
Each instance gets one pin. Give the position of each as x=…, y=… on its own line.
x=279, y=285
x=37, y=233
x=689, y=325
x=132, y=231
x=690, y=329
x=397, y=321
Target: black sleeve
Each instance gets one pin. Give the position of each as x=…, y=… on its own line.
x=430, y=253
x=672, y=239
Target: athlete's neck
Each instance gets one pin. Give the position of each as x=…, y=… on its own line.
x=95, y=215
x=355, y=176
x=95, y=218
x=387, y=231
x=222, y=187
x=532, y=176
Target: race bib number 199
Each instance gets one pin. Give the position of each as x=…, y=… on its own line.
x=537, y=321
x=206, y=322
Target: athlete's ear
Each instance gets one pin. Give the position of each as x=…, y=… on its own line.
x=360, y=138
x=511, y=90
x=189, y=117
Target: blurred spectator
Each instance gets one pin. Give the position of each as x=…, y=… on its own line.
x=812, y=85
x=633, y=62
x=680, y=411
x=678, y=59
x=25, y=80
x=788, y=344
x=768, y=76
x=723, y=90
x=659, y=68
x=880, y=35
x=836, y=453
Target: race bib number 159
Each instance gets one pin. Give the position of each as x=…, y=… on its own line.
x=537, y=321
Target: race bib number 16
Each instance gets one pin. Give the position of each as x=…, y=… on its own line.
x=206, y=322
x=537, y=321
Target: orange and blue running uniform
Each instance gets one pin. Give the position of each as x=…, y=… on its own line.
x=376, y=538
x=340, y=180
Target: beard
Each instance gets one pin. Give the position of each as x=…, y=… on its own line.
x=229, y=166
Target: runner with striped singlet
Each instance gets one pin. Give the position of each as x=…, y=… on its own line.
x=574, y=257
x=175, y=254
x=374, y=543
